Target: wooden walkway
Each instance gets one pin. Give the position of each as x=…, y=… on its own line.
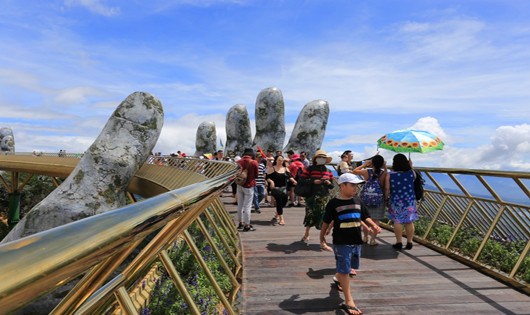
x=284, y=276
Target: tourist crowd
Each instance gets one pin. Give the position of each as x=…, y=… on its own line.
x=351, y=212
x=366, y=194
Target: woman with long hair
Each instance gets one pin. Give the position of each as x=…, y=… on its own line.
x=277, y=177
x=401, y=199
x=321, y=179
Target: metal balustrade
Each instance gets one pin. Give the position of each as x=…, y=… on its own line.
x=486, y=205
x=114, y=251
x=465, y=205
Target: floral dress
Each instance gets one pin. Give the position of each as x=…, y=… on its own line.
x=402, y=203
x=315, y=205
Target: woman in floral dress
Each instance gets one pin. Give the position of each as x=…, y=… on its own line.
x=321, y=180
x=401, y=199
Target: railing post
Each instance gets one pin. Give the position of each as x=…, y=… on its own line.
x=13, y=215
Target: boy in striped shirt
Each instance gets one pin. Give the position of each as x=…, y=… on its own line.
x=347, y=213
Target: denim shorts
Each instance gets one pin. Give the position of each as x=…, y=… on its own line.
x=347, y=257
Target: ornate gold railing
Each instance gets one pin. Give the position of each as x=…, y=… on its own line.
x=476, y=215
x=110, y=256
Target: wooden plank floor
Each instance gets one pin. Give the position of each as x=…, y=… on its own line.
x=284, y=276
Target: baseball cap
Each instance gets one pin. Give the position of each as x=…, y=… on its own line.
x=350, y=178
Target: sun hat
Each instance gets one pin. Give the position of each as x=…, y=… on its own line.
x=350, y=178
x=322, y=153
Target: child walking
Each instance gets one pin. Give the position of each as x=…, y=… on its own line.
x=347, y=213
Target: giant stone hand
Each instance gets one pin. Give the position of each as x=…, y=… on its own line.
x=99, y=181
x=7, y=141
x=307, y=135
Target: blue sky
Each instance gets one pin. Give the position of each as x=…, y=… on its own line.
x=460, y=69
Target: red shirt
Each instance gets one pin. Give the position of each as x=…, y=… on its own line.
x=294, y=167
x=251, y=166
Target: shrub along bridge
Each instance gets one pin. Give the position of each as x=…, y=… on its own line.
x=175, y=247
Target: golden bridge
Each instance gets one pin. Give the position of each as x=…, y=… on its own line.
x=471, y=253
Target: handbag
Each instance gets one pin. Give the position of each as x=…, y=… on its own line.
x=304, y=188
x=241, y=178
x=279, y=191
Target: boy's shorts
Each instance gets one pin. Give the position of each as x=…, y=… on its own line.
x=347, y=257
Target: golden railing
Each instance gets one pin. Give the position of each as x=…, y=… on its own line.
x=111, y=255
x=181, y=192
x=472, y=214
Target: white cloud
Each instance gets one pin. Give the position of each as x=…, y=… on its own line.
x=512, y=139
x=448, y=39
x=431, y=125
x=508, y=150
x=78, y=95
x=94, y=6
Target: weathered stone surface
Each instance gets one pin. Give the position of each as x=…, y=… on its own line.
x=270, y=120
x=7, y=140
x=238, y=133
x=310, y=128
x=99, y=181
x=308, y=133
x=205, y=139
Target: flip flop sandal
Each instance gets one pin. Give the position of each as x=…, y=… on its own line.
x=337, y=284
x=347, y=308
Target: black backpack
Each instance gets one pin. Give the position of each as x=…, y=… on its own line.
x=418, y=185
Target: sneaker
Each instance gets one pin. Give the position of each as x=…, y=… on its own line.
x=240, y=226
x=258, y=211
x=248, y=228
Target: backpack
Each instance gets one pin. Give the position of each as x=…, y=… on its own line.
x=299, y=173
x=418, y=185
x=241, y=177
x=372, y=193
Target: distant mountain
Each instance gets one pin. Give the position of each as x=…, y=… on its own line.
x=506, y=188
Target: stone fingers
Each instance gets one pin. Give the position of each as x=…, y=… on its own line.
x=99, y=181
x=310, y=128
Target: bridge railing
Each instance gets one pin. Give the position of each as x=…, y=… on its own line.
x=481, y=218
x=110, y=256
x=463, y=213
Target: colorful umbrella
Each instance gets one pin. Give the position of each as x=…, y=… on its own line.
x=410, y=141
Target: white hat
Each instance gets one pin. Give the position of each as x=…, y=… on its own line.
x=350, y=178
